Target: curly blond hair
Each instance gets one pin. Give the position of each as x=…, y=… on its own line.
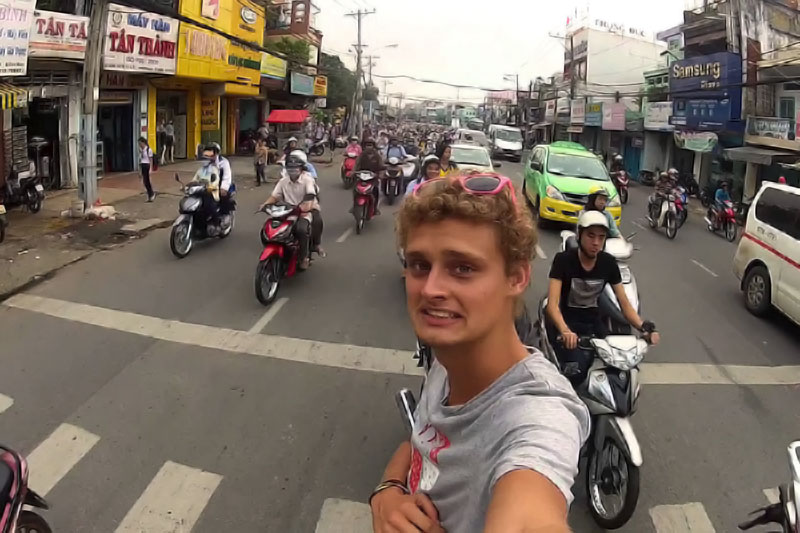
x=447, y=199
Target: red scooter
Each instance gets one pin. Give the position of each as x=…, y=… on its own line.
x=14, y=494
x=621, y=181
x=722, y=220
x=348, y=165
x=281, y=250
x=364, y=198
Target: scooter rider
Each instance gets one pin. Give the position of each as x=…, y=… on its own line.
x=597, y=201
x=353, y=147
x=617, y=164
x=226, y=186
x=577, y=279
x=371, y=160
x=665, y=184
x=298, y=188
x=428, y=171
x=395, y=149
x=316, y=222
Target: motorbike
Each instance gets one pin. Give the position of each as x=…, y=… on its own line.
x=410, y=170
x=393, y=181
x=681, y=205
x=689, y=182
x=722, y=220
x=317, y=148
x=341, y=141
x=611, y=392
x=783, y=513
x=663, y=214
x=647, y=177
x=363, y=198
x=348, y=164
x=3, y=222
x=15, y=494
x=281, y=254
x=24, y=189
x=193, y=222
x=621, y=182
x=610, y=310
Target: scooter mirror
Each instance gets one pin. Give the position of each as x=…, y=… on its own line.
x=406, y=404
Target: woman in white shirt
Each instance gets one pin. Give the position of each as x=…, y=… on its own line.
x=145, y=160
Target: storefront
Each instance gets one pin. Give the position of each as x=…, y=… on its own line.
x=707, y=97
x=612, y=139
x=658, y=144
x=137, y=46
x=592, y=122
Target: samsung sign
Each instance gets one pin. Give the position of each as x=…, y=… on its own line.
x=707, y=92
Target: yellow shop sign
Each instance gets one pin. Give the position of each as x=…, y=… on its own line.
x=272, y=67
x=321, y=86
x=209, y=113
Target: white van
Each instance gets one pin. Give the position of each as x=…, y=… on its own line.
x=506, y=142
x=768, y=258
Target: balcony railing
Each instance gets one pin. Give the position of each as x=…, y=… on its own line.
x=772, y=131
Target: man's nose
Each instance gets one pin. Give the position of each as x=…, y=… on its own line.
x=435, y=285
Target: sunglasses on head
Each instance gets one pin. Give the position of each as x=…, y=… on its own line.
x=489, y=184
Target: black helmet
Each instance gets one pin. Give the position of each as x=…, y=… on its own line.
x=294, y=162
x=213, y=147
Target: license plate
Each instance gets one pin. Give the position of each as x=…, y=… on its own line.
x=38, y=187
x=2, y=210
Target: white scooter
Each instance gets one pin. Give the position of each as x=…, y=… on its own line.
x=783, y=513
x=622, y=250
x=610, y=391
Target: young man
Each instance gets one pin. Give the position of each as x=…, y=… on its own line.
x=498, y=430
x=577, y=279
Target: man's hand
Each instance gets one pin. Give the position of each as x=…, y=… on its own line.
x=569, y=339
x=653, y=338
x=223, y=192
x=395, y=512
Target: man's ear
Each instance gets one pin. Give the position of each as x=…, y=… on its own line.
x=519, y=278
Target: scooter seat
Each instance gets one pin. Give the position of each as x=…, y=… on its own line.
x=571, y=243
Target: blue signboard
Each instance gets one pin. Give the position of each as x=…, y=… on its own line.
x=594, y=115
x=706, y=92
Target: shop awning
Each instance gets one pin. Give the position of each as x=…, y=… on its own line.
x=288, y=116
x=760, y=156
x=11, y=96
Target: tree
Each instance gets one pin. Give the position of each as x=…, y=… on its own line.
x=296, y=50
x=371, y=93
x=341, y=81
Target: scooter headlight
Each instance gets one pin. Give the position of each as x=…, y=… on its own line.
x=190, y=204
x=614, y=202
x=624, y=352
x=625, y=272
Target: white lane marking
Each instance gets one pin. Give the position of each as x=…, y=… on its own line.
x=540, y=253
x=686, y=518
x=344, y=235
x=353, y=357
x=701, y=265
x=344, y=515
x=637, y=224
x=57, y=455
x=773, y=495
x=269, y=315
x=172, y=502
x=5, y=402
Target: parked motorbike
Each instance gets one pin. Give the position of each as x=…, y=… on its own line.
x=317, y=148
x=621, y=182
x=722, y=220
x=610, y=310
x=681, y=205
x=195, y=222
x=647, y=177
x=610, y=391
x=783, y=513
x=3, y=222
x=663, y=214
x=348, y=165
x=341, y=141
x=281, y=253
x=363, y=198
x=15, y=494
x=689, y=182
x=26, y=189
x=393, y=181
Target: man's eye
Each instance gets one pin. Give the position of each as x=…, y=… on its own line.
x=418, y=266
x=463, y=270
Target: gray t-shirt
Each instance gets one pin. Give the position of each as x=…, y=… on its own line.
x=530, y=418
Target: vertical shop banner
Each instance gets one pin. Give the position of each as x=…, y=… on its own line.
x=16, y=18
x=58, y=35
x=138, y=41
x=614, y=116
x=302, y=84
x=577, y=113
x=321, y=86
x=209, y=113
x=210, y=9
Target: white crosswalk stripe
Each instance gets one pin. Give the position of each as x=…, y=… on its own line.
x=57, y=455
x=5, y=402
x=172, y=502
x=772, y=495
x=686, y=518
x=338, y=516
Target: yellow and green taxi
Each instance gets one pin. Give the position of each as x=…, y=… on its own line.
x=559, y=178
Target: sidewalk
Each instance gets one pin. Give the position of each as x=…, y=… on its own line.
x=39, y=244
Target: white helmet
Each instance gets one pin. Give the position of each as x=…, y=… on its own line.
x=299, y=154
x=290, y=139
x=393, y=161
x=592, y=218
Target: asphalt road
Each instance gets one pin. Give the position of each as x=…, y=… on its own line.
x=136, y=418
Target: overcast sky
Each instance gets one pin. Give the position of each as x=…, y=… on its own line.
x=469, y=42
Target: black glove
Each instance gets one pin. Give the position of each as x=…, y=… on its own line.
x=648, y=326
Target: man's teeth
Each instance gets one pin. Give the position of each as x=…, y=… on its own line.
x=441, y=314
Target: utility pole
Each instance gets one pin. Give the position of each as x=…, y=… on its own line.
x=87, y=183
x=359, y=107
x=572, y=80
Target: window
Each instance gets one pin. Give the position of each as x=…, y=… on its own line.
x=791, y=86
x=787, y=108
x=781, y=210
x=577, y=166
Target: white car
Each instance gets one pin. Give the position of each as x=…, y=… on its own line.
x=767, y=260
x=472, y=136
x=472, y=157
x=506, y=141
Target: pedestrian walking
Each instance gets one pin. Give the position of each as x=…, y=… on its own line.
x=260, y=160
x=169, y=143
x=145, y=161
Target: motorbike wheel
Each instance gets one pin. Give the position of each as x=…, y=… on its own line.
x=30, y=522
x=34, y=202
x=672, y=226
x=390, y=197
x=608, y=473
x=730, y=230
x=228, y=231
x=317, y=150
x=705, y=200
x=623, y=196
x=267, y=281
x=359, y=213
x=2, y=231
x=180, y=241
x=682, y=216
x=654, y=215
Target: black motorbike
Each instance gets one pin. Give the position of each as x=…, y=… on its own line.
x=689, y=182
x=199, y=217
x=393, y=180
x=24, y=189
